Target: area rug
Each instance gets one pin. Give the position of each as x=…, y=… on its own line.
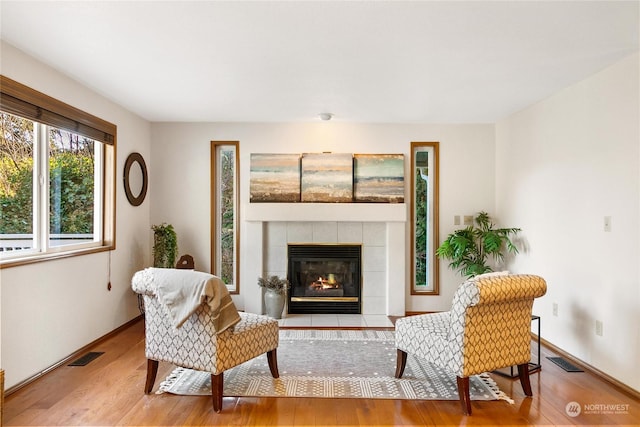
x=335, y=364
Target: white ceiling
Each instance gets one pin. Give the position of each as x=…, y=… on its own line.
x=364, y=61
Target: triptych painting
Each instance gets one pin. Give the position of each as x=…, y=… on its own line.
x=275, y=178
x=327, y=178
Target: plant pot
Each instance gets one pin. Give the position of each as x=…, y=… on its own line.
x=274, y=303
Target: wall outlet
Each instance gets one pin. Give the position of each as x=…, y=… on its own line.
x=456, y=220
x=468, y=220
x=599, y=328
x=555, y=309
x=607, y=223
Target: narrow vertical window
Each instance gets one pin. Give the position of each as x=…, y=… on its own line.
x=224, y=217
x=424, y=218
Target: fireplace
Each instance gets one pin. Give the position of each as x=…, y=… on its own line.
x=324, y=278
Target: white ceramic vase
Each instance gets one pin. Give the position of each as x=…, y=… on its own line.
x=274, y=303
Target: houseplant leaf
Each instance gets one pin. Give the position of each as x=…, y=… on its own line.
x=467, y=249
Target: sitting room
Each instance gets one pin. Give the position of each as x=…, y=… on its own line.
x=334, y=146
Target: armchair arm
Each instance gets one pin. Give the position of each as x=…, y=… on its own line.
x=513, y=287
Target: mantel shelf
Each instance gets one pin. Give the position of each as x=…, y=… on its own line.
x=344, y=212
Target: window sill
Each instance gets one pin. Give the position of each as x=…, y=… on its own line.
x=32, y=259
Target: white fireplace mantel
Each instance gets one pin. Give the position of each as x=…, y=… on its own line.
x=361, y=212
x=394, y=215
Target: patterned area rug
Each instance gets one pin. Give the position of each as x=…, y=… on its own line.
x=337, y=364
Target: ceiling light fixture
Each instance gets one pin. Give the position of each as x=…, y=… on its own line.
x=326, y=116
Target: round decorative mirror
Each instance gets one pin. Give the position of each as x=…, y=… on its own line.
x=135, y=179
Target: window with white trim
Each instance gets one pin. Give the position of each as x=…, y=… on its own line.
x=56, y=178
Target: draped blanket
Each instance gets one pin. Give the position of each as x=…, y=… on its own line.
x=183, y=291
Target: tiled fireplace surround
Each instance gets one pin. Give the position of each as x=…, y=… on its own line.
x=380, y=228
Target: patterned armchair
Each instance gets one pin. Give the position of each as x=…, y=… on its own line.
x=196, y=345
x=488, y=327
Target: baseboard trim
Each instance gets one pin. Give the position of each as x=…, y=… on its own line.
x=72, y=356
x=595, y=371
x=417, y=313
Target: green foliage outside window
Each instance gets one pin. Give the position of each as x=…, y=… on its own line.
x=420, y=249
x=16, y=202
x=16, y=175
x=227, y=160
x=71, y=173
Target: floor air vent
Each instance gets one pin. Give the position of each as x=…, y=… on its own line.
x=564, y=364
x=84, y=360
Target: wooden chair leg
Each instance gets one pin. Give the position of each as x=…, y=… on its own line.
x=401, y=363
x=152, y=371
x=217, y=384
x=463, y=392
x=272, y=358
x=523, y=373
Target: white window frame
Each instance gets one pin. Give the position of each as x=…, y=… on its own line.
x=15, y=96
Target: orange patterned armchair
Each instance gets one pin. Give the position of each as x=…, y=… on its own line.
x=488, y=327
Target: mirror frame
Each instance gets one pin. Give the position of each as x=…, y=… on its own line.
x=434, y=220
x=128, y=164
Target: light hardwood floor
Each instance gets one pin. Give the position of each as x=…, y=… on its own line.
x=109, y=392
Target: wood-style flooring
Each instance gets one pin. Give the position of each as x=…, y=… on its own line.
x=109, y=392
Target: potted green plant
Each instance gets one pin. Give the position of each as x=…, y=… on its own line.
x=469, y=249
x=274, y=296
x=165, y=246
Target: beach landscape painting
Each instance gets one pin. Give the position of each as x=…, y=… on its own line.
x=327, y=177
x=379, y=178
x=274, y=178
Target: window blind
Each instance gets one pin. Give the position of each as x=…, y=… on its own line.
x=20, y=100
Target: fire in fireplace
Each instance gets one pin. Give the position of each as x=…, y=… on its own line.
x=324, y=278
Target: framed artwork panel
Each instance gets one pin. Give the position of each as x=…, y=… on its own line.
x=378, y=178
x=327, y=177
x=274, y=178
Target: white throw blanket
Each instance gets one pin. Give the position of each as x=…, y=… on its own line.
x=183, y=291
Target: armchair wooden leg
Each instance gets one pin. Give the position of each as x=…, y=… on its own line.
x=152, y=371
x=463, y=392
x=272, y=358
x=401, y=363
x=217, y=384
x=523, y=373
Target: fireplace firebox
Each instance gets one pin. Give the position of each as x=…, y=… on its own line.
x=324, y=278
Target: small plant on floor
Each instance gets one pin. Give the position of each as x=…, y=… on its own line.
x=469, y=248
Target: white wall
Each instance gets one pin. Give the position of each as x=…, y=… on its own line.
x=562, y=166
x=179, y=183
x=51, y=309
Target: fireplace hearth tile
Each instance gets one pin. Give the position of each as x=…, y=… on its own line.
x=324, y=320
x=297, y=320
x=352, y=320
x=377, y=320
x=336, y=320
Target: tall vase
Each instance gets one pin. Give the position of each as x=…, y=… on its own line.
x=274, y=303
